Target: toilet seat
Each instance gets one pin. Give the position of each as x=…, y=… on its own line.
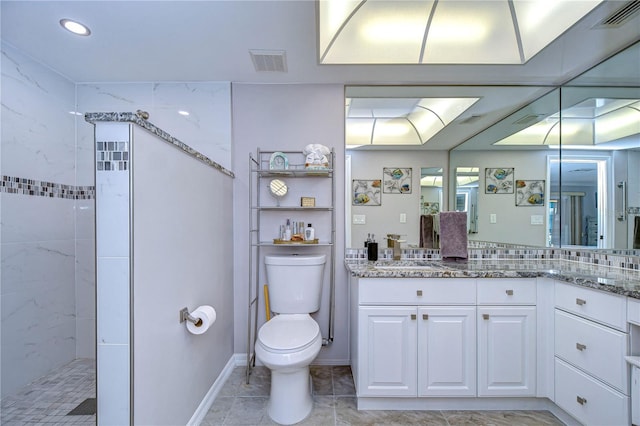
x=289, y=333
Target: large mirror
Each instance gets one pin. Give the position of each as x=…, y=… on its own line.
x=559, y=167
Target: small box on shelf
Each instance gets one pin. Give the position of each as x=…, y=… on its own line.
x=307, y=202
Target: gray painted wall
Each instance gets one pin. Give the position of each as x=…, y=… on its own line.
x=287, y=117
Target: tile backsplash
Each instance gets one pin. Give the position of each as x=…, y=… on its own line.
x=624, y=259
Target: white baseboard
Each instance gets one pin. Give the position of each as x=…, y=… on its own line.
x=236, y=360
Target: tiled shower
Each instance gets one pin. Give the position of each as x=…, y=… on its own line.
x=47, y=201
x=47, y=236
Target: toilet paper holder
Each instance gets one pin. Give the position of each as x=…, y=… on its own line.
x=186, y=316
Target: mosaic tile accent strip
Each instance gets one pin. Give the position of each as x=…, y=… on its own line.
x=136, y=118
x=37, y=188
x=623, y=259
x=112, y=156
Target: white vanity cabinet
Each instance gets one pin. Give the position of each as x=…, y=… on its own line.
x=416, y=337
x=447, y=351
x=387, y=348
x=591, y=341
x=507, y=337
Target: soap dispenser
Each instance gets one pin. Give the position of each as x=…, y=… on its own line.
x=372, y=249
x=309, y=233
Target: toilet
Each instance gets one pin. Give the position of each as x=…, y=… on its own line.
x=291, y=340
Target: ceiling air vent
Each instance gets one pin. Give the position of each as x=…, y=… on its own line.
x=530, y=118
x=269, y=60
x=471, y=119
x=620, y=16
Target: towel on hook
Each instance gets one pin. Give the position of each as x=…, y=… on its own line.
x=636, y=233
x=453, y=235
x=426, y=231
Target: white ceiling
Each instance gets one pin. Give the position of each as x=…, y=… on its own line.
x=210, y=40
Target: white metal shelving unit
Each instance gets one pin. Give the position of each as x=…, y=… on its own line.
x=260, y=174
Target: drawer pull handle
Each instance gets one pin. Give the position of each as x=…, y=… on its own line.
x=485, y=316
x=581, y=347
x=419, y=292
x=425, y=316
x=413, y=316
x=581, y=400
x=509, y=292
x=580, y=302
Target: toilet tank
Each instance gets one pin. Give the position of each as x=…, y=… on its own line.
x=295, y=283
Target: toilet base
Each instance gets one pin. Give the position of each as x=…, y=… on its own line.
x=290, y=400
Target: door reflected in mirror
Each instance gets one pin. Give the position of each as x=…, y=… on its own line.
x=467, y=181
x=430, y=190
x=578, y=213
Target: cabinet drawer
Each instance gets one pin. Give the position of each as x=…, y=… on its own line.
x=588, y=400
x=633, y=310
x=417, y=291
x=607, y=308
x=596, y=349
x=507, y=291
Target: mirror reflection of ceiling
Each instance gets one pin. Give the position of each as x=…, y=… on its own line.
x=467, y=176
x=490, y=102
x=442, y=32
x=400, y=121
x=590, y=104
x=431, y=177
x=595, y=123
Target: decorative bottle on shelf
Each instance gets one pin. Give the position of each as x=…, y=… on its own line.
x=309, y=233
x=287, y=231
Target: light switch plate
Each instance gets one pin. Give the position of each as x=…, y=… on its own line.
x=359, y=219
x=493, y=218
x=403, y=218
x=536, y=219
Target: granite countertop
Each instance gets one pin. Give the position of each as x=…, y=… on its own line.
x=614, y=280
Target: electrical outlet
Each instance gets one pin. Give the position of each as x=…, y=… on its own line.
x=359, y=219
x=493, y=218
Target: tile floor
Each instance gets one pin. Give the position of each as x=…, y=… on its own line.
x=335, y=404
x=47, y=400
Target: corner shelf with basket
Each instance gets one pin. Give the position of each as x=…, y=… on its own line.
x=281, y=188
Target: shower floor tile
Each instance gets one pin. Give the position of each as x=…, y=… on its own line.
x=49, y=399
x=335, y=404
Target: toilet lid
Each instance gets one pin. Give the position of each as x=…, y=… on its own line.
x=289, y=332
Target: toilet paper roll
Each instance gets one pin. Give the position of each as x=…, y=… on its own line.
x=205, y=315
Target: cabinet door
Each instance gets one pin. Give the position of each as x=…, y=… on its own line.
x=507, y=351
x=447, y=351
x=387, y=351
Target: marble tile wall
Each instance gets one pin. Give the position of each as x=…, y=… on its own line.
x=37, y=233
x=207, y=128
x=113, y=280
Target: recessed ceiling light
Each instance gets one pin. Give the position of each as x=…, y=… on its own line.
x=75, y=27
x=182, y=112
